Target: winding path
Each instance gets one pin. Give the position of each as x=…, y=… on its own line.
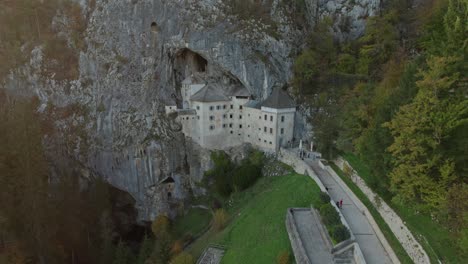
x=366, y=237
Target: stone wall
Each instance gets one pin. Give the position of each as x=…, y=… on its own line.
x=296, y=243
x=366, y=213
x=396, y=224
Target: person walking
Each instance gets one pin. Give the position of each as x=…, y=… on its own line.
x=341, y=203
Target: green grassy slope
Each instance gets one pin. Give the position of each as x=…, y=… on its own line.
x=257, y=231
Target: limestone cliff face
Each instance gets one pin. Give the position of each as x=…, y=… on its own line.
x=138, y=52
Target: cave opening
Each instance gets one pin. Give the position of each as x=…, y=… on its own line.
x=154, y=27
x=186, y=63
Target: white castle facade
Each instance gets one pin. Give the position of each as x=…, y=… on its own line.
x=218, y=117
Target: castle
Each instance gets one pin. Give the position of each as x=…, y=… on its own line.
x=219, y=117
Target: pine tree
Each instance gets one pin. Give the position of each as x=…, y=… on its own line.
x=421, y=173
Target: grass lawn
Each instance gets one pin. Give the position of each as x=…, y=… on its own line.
x=257, y=231
x=194, y=222
x=434, y=237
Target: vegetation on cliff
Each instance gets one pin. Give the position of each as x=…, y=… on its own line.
x=397, y=97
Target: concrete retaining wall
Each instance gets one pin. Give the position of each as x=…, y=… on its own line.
x=301, y=167
x=296, y=242
x=402, y=233
x=366, y=213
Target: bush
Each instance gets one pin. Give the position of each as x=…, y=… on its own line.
x=177, y=247
x=283, y=257
x=340, y=233
x=220, y=219
x=324, y=198
x=329, y=215
x=246, y=175
x=160, y=225
x=182, y=258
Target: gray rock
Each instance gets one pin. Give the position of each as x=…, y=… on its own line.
x=137, y=54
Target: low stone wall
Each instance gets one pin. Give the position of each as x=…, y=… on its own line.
x=366, y=213
x=301, y=167
x=296, y=242
x=402, y=233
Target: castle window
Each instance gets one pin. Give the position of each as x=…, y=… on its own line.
x=170, y=107
x=230, y=116
x=231, y=132
x=238, y=134
x=218, y=107
x=240, y=116
x=169, y=195
x=224, y=116
x=259, y=139
x=212, y=118
x=240, y=107
x=264, y=141
x=230, y=125
x=264, y=129
x=248, y=114
x=282, y=131
x=248, y=135
x=265, y=117
x=271, y=130
x=211, y=108
x=260, y=129
x=271, y=118
x=198, y=117
x=232, y=107
x=259, y=117
x=198, y=107
x=212, y=127
x=224, y=106
x=270, y=142
x=240, y=126
x=224, y=125
x=248, y=125
x=282, y=118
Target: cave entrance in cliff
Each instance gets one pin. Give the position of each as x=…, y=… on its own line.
x=190, y=61
x=154, y=27
x=186, y=63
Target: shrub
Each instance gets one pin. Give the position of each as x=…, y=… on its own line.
x=220, y=219
x=283, y=257
x=221, y=173
x=329, y=215
x=177, y=247
x=257, y=158
x=216, y=204
x=160, y=225
x=182, y=258
x=324, y=198
x=246, y=175
x=340, y=233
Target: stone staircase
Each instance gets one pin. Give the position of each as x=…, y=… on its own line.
x=212, y=255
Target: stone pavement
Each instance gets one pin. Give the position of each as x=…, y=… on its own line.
x=314, y=242
x=371, y=247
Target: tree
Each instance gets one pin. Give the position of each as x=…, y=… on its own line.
x=220, y=219
x=183, y=258
x=161, y=225
x=145, y=250
x=421, y=173
x=123, y=255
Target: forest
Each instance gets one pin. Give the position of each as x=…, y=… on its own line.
x=397, y=98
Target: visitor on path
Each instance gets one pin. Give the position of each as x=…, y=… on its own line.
x=337, y=204
x=341, y=203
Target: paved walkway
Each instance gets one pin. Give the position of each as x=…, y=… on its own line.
x=371, y=247
x=309, y=231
